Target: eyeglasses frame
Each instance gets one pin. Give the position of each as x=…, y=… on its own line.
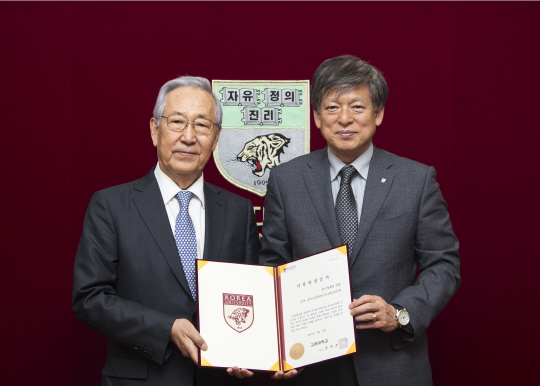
x=187, y=124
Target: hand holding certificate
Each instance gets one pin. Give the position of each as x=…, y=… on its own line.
x=275, y=318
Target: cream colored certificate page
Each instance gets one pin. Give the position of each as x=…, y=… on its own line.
x=316, y=295
x=256, y=347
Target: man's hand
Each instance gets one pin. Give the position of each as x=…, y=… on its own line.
x=371, y=311
x=287, y=374
x=187, y=339
x=239, y=373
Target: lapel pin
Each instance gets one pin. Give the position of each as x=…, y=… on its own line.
x=383, y=180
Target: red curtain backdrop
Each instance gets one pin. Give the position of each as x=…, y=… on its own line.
x=78, y=85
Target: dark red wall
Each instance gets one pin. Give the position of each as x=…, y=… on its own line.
x=78, y=84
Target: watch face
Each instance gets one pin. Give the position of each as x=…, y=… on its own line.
x=403, y=317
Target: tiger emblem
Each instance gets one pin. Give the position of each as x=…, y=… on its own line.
x=263, y=152
x=239, y=315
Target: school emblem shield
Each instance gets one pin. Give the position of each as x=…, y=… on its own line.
x=265, y=123
x=238, y=311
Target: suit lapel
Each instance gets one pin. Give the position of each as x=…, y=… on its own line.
x=374, y=196
x=149, y=202
x=317, y=180
x=214, y=221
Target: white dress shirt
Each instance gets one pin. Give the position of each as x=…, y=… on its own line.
x=169, y=189
x=358, y=181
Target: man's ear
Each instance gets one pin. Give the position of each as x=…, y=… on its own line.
x=317, y=118
x=154, y=130
x=379, y=116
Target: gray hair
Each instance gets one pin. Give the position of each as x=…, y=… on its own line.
x=185, y=81
x=344, y=73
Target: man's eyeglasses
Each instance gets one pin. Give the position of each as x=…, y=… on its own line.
x=178, y=122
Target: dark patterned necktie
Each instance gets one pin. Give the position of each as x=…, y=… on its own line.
x=346, y=210
x=186, y=241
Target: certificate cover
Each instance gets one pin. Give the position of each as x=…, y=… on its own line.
x=275, y=318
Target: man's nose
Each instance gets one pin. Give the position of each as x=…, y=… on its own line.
x=189, y=135
x=345, y=116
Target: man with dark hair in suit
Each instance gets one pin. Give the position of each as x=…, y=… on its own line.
x=134, y=274
x=391, y=213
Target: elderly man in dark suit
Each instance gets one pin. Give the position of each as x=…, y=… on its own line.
x=134, y=274
x=391, y=213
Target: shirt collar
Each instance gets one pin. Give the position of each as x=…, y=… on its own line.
x=169, y=189
x=361, y=164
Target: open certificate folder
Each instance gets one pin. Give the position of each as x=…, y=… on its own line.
x=275, y=318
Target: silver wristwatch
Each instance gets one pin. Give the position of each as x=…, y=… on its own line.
x=402, y=317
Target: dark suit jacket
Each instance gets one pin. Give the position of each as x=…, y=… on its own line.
x=129, y=284
x=404, y=224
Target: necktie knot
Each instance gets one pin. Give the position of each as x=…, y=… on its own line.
x=184, y=197
x=347, y=173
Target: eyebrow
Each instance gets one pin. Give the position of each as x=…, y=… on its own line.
x=353, y=101
x=198, y=115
